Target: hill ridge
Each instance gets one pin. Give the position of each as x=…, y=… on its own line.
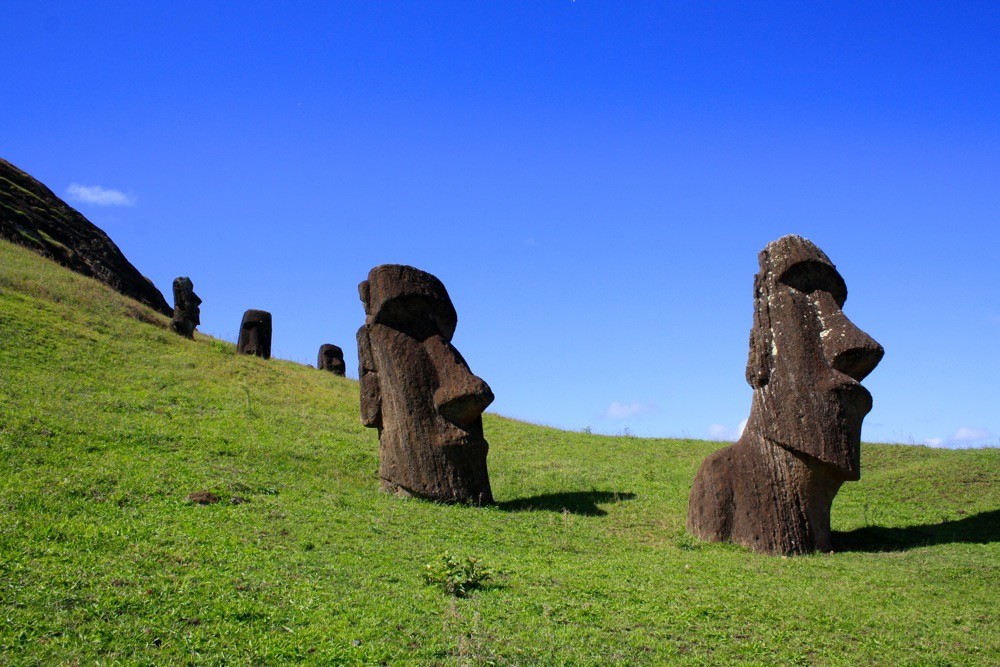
x=33, y=216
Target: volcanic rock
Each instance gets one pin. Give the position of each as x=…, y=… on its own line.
x=32, y=216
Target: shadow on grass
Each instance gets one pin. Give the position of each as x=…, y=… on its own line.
x=981, y=528
x=574, y=502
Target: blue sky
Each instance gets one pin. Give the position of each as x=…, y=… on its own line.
x=592, y=181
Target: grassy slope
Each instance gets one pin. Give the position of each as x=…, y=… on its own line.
x=108, y=421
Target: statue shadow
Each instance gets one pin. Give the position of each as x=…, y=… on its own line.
x=982, y=528
x=583, y=503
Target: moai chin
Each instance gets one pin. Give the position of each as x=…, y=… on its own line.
x=417, y=390
x=772, y=490
x=255, y=334
x=331, y=358
x=187, y=311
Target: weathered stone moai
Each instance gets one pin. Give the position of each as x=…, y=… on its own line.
x=187, y=311
x=331, y=358
x=772, y=490
x=255, y=334
x=417, y=390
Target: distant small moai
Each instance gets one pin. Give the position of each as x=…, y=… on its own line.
x=331, y=358
x=417, y=390
x=255, y=334
x=772, y=491
x=187, y=313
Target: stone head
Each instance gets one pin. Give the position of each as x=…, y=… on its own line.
x=186, y=302
x=807, y=359
x=417, y=389
x=331, y=358
x=255, y=334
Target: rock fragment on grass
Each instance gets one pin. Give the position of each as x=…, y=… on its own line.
x=203, y=498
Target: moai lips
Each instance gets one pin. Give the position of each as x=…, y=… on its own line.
x=418, y=391
x=331, y=358
x=255, y=334
x=772, y=490
x=187, y=311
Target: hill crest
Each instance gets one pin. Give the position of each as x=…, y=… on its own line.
x=31, y=215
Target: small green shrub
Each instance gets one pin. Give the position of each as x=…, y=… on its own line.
x=457, y=576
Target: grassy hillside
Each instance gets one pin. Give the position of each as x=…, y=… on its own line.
x=108, y=422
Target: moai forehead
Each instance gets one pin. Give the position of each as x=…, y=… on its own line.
x=799, y=263
x=408, y=300
x=331, y=351
x=256, y=318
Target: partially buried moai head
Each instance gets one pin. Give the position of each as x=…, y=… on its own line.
x=255, y=334
x=331, y=358
x=418, y=391
x=773, y=490
x=807, y=359
x=187, y=310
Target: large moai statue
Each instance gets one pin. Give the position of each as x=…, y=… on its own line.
x=187, y=311
x=417, y=390
x=255, y=334
x=772, y=490
x=331, y=358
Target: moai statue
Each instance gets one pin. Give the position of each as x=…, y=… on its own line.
x=187, y=313
x=772, y=490
x=255, y=334
x=331, y=358
x=417, y=390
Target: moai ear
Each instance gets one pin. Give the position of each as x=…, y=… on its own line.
x=364, y=291
x=759, y=360
x=371, y=391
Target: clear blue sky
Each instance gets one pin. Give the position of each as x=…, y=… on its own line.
x=592, y=181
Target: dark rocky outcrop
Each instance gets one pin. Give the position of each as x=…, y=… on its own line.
x=32, y=216
x=331, y=358
x=255, y=334
x=417, y=390
x=187, y=313
x=772, y=490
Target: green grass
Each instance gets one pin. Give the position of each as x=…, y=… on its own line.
x=108, y=422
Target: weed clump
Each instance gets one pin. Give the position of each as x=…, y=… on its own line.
x=457, y=576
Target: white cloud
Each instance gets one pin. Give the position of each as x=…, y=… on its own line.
x=625, y=410
x=95, y=194
x=966, y=436
x=722, y=432
x=718, y=432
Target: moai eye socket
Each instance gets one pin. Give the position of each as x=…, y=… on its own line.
x=811, y=276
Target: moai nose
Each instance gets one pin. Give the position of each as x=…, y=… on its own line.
x=847, y=348
x=464, y=407
x=461, y=397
